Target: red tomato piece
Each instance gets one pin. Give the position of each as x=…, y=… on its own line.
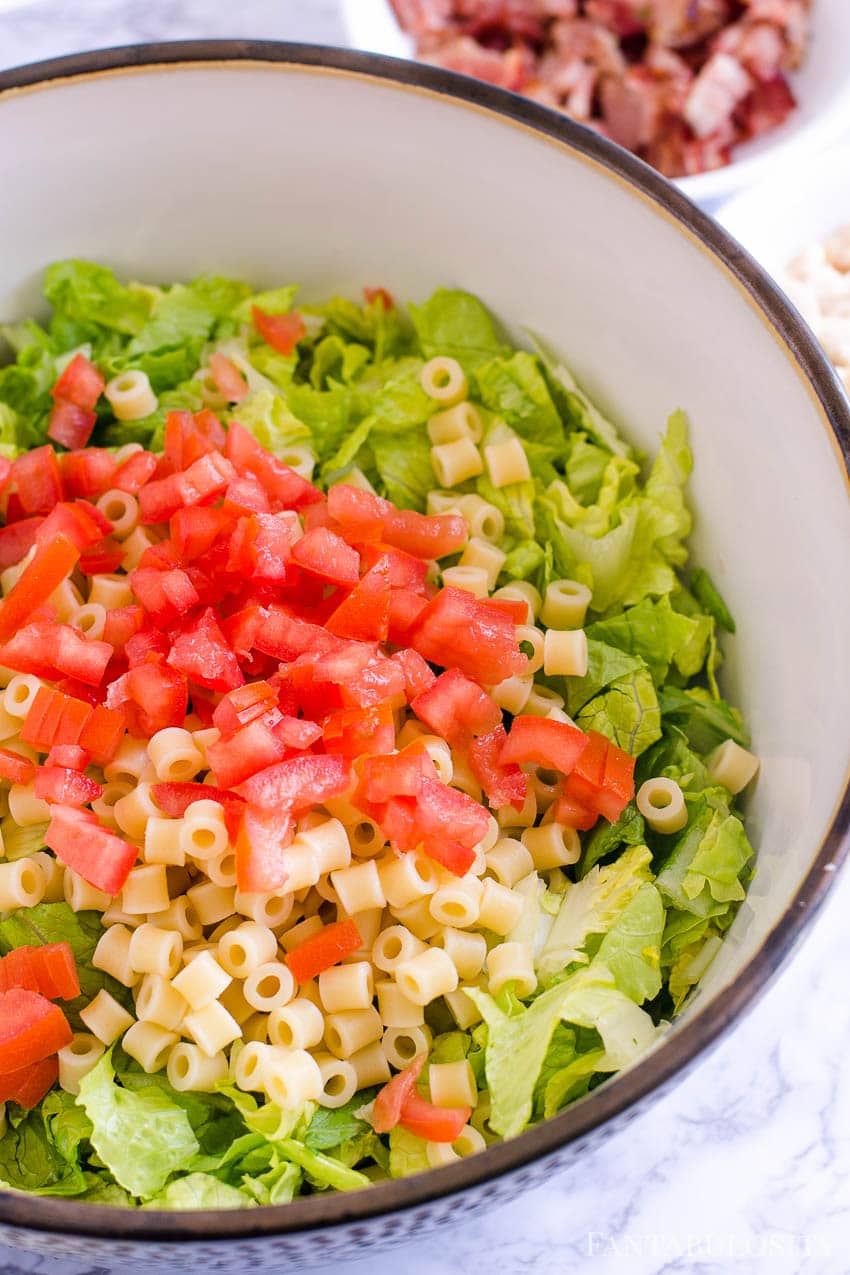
x=351, y=732
x=284, y=636
x=446, y=814
x=298, y=783
x=31, y=1028
x=365, y=613
x=151, y=697
x=555, y=745
x=87, y=473
x=590, y=766
x=245, y=495
x=165, y=595
x=18, y=970
x=81, y=383
x=618, y=783
x=209, y=428
x=399, y=775
x=434, y=1124
x=229, y=381
x=17, y=539
x=98, y=855
x=325, y=554
x=54, y=718
x=285, y=488
x=174, y=799
x=52, y=564
x=70, y=755
x=386, y=1110
x=148, y=646
x=15, y=768
x=457, y=630
x=252, y=748
x=359, y=514
x=181, y=443
x=79, y=522
x=406, y=572
x=457, y=708
x=132, y=474
x=260, y=548
x=451, y=855
x=425, y=535
x=102, y=733
x=195, y=530
x=123, y=623
x=28, y=1086
x=55, y=650
x=103, y=559
x=406, y=608
x=320, y=951
x=418, y=674
x=66, y=787
x=243, y=705
x=38, y=480
x=70, y=425
x=516, y=611
x=504, y=783
x=49, y=970
x=261, y=850
x=572, y=812
x=281, y=331
x=201, y=652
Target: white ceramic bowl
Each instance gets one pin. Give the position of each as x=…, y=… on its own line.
x=822, y=87
x=110, y=155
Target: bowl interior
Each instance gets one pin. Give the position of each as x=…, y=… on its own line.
x=337, y=179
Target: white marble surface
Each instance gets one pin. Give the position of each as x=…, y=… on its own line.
x=745, y=1165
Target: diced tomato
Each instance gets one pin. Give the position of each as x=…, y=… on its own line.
x=181, y=443
x=195, y=530
x=365, y=613
x=174, y=799
x=254, y=747
x=98, y=855
x=65, y=786
x=70, y=755
x=81, y=384
x=434, y=1124
x=132, y=474
x=88, y=473
x=70, y=425
x=320, y=951
x=426, y=535
x=17, y=539
x=457, y=630
x=281, y=331
x=260, y=548
x=371, y=295
x=28, y=1086
x=400, y=774
x=286, y=489
x=515, y=610
x=325, y=554
x=123, y=623
x=359, y=514
x=261, y=850
x=103, y=559
x=572, y=812
x=543, y=742
x=590, y=766
x=165, y=595
x=204, y=479
x=151, y=697
x=406, y=572
x=53, y=650
x=618, y=783
x=54, y=718
x=148, y=646
x=504, y=783
x=50, y=970
x=387, y=1107
x=18, y=970
x=351, y=732
x=102, y=733
x=209, y=428
x=15, y=768
x=452, y=855
x=457, y=708
x=200, y=651
x=77, y=521
x=31, y=1028
x=418, y=674
x=243, y=705
x=447, y=814
x=406, y=607
x=316, y=515
x=38, y=480
x=276, y=632
x=52, y=564
x=298, y=783
x=245, y=495
x=229, y=381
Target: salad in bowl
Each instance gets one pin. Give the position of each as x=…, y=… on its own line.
x=368, y=793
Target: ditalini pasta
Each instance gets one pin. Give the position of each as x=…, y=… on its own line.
x=307, y=786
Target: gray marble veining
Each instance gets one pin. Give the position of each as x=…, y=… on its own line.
x=745, y=1165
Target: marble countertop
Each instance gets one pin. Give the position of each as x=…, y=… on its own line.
x=745, y=1165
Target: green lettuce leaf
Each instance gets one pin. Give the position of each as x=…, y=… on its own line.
x=516, y=391
x=703, y=872
x=91, y=296
x=143, y=1137
x=704, y=720
x=200, y=1191
x=605, y=838
x=650, y=629
x=331, y=1126
x=574, y=404
x=631, y=949
x=31, y=1160
x=626, y=712
x=584, y=465
x=404, y=469
x=456, y=324
x=708, y=595
x=407, y=1154
x=605, y=664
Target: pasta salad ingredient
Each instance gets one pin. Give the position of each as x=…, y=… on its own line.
x=328, y=682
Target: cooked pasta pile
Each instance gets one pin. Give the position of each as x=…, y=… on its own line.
x=308, y=756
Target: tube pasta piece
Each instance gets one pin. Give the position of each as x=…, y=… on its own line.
x=256, y=1028
x=442, y=502
x=247, y=1069
x=512, y=694
x=212, y=1028
x=346, y=987
x=441, y=755
x=552, y=845
x=212, y=902
x=407, y=877
x=426, y=976
x=302, y=864
x=133, y=811
x=351, y=1030
x=417, y=918
x=269, y=986
x=732, y=766
x=463, y=1010
x=105, y=1018
x=111, y=591
x=90, y=619
x=507, y=462
x=130, y=395
x=112, y=955
x=66, y=601
x=149, y=1044
x=401, y=1045
x=330, y=844
x=466, y=951
x=202, y=981
x=480, y=553
x=271, y=910
x=130, y=762
x=457, y=903
x=452, y=1084
x=158, y=1001
x=162, y=842
x=444, y=380
x=22, y=884
x=507, y=817
x=500, y=908
x=245, y=948
x=394, y=1007
x=468, y=1142
x=463, y=778
x=174, y=755
x=155, y=951
x=145, y=890
x=54, y=876
x=393, y=946
x=485, y=521
x=299, y=933
x=456, y=462
x=370, y=1065
x=368, y=924
x=662, y=804
x=565, y=653
x=474, y=580
x=565, y=605
x=181, y=916
x=339, y=1080
x=222, y=871
x=461, y=421
x=19, y=694
x=115, y=915
x=76, y=1060
x=359, y=887
x=291, y=1077
x=203, y=831
x=190, y=1070
x=511, y=963
x=509, y=860
x=122, y=510
x=25, y=808
x=529, y=634
x=298, y=1025
x=366, y=839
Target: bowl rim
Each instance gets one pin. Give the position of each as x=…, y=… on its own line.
x=694, y=1036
